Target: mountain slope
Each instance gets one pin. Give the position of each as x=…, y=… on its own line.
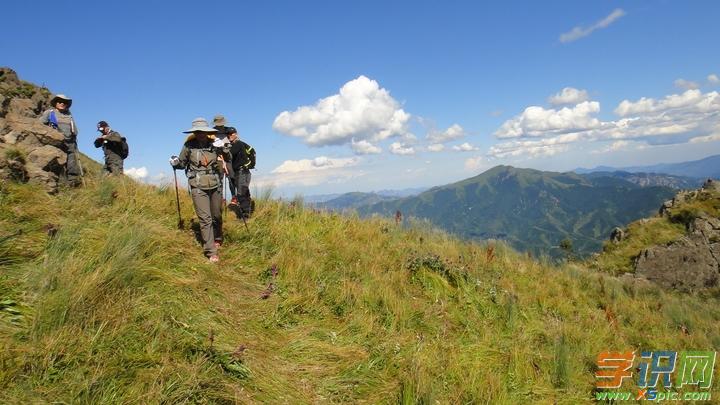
x=531, y=209
x=104, y=301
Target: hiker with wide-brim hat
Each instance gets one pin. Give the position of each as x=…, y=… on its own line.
x=60, y=118
x=202, y=158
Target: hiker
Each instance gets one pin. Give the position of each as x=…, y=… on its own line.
x=114, y=146
x=222, y=131
x=60, y=118
x=202, y=158
x=243, y=159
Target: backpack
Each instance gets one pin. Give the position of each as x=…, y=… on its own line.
x=251, y=157
x=124, y=148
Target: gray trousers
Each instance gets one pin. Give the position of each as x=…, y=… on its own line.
x=208, y=207
x=113, y=165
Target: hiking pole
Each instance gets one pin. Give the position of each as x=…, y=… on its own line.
x=177, y=199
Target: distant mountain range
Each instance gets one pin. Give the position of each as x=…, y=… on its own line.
x=708, y=167
x=353, y=199
x=531, y=209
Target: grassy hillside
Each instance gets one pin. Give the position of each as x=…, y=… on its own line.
x=618, y=258
x=530, y=209
x=115, y=305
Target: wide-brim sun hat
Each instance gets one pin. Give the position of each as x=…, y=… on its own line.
x=200, y=125
x=219, y=120
x=63, y=97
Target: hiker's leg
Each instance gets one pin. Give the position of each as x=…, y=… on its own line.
x=73, y=168
x=244, y=192
x=215, y=197
x=201, y=202
x=114, y=164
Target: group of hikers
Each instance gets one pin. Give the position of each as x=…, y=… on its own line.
x=209, y=156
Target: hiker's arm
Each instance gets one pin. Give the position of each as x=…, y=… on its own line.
x=251, y=157
x=45, y=117
x=99, y=142
x=74, y=126
x=183, y=158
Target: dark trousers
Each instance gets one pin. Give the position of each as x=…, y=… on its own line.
x=242, y=185
x=72, y=167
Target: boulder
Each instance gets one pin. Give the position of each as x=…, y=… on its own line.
x=688, y=264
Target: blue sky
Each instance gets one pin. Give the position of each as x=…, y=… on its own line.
x=442, y=90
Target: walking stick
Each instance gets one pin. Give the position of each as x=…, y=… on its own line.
x=181, y=223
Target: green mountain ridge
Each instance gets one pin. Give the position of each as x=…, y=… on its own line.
x=531, y=209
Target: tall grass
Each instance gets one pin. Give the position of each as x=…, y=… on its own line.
x=306, y=307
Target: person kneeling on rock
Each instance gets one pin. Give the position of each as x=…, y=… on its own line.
x=202, y=158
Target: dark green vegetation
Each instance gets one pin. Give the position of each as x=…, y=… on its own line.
x=103, y=300
x=532, y=210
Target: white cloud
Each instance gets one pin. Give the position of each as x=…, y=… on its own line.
x=621, y=146
x=436, y=147
x=691, y=116
x=538, y=121
x=319, y=163
x=686, y=84
x=139, y=173
x=362, y=110
x=364, y=147
x=713, y=79
x=707, y=138
x=533, y=148
x=397, y=148
x=579, y=31
x=311, y=172
x=568, y=96
x=465, y=147
x=475, y=164
x=454, y=132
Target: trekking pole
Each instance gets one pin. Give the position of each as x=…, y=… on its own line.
x=82, y=172
x=177, y=200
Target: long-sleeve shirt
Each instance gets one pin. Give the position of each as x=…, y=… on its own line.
x=65, y=122
x=111, y=144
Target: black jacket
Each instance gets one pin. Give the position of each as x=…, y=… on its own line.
x=242, y=157
x=112, y=144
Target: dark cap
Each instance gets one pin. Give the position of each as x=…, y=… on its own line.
x=230, y=130
x=102, y=124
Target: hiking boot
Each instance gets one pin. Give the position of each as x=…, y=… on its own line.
x=218, y=244
x=214, y=258
x=233, y=202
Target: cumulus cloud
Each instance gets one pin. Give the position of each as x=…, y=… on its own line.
x=317, y=164
x=397, y=148
x=579, y=31
x=311, y=172
x=454, y=132
x=691, y=116
x=137, y=173
x=436, y=147
x=362, y=110
x=364, y=147
x=621, y=146
x=538, y=121
x=568, y=95
x=475, y=164
x=465, y=147
x=713, y=79
x=690, y=100
x=686, y=84
x=534, y=147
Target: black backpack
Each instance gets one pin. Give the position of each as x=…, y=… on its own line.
x=251, y=157
x=124, y=148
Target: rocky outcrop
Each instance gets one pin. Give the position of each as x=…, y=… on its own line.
x=691, y=263
x=29, y=151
